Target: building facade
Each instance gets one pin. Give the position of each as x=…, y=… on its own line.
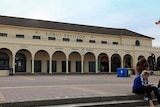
x=38, y=46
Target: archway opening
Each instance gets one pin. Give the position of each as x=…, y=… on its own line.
x=20, y=62
x=4, y=61
x=128, y=61
x=59, y=62
x=89, y=62
x=103, y=63
x=115, y=62
x=40, y=62
x=75, y=60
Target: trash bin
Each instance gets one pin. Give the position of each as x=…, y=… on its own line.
x=120, y=72
x=11, y=71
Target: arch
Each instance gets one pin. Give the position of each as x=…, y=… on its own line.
x=23, y=64
x=137, y=43
x=7, y=62
x=158, y=63
x=59, y=62
x=141, y=56
x=40, y=61
x=127, y=61
x=75, y=62
x=115, y=62
x=89, y=62
x=103, y=62
x=4, y=61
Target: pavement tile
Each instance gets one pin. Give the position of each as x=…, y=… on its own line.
x=42, y=87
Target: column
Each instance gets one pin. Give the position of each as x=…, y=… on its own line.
x=13, y=65
x=96, y=65
x=32, y=65
x=67, y=65
x=82, y=62
x=50, y=66
x=110, y=66
x=122, y=64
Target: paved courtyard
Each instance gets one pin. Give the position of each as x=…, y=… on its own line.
x=43, y=87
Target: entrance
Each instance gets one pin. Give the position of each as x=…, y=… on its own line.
x=78, y=66
x=37, y=65
x=116, y=62
x=127, y=61
x=4, y=61
x=92, y=67
x=104, y=64
x=20, y=62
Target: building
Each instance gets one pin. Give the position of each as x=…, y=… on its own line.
x=39, y=46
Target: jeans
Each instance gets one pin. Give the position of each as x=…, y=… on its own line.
x=147, y=90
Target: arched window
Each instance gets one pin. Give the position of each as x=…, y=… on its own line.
x=4, y=61
x=137, y=43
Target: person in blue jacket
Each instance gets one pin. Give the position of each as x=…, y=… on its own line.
x=141, y=86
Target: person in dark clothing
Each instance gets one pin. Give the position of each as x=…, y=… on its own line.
x=142, y=64
x=159, y=86
x=141, y=86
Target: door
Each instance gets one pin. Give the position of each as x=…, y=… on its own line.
x=92, y=67
x=78, y=66
x=20, y=63
x=37, y=65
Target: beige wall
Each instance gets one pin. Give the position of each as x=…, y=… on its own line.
x=60, y=50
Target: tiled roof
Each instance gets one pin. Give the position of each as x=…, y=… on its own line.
x=25, y=22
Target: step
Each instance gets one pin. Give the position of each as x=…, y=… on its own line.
x=128, y=100
x=126, y=103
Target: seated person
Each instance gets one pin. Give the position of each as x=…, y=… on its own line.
x=141, y=86
x=141, y=65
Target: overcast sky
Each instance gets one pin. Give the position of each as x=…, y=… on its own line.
x=136, y=15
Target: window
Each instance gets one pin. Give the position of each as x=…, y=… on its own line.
x=137, y=43
x=51, y=38
x=79, y=40
x=104, y=42
x=3, y=34
x=115, y=43
x=66, y=39
x=19, y=36
x=92, y=41
x=36, y=37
